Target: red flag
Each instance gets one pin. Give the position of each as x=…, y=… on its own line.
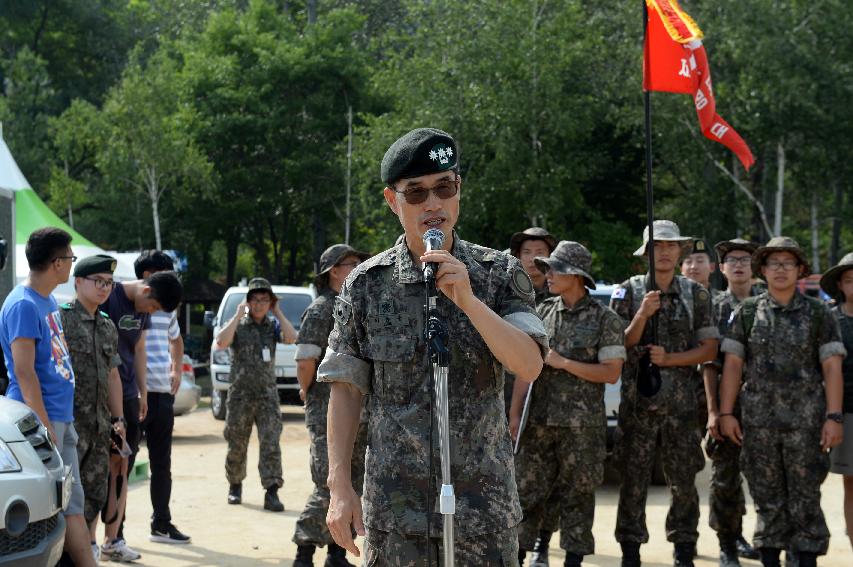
x=675, y=61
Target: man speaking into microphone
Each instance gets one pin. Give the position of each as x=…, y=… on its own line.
x=377, y=349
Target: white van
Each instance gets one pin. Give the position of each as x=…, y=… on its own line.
x=293, y=301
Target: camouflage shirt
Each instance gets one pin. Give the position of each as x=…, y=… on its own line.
x=723, y=305
x=684, y=319
x=845, y=322
x=93, y=346
x=783, y=352
x=250, y=373
x=588, y=332
x=317, y=322
x=377, y=345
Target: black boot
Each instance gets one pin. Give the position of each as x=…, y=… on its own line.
x=684, y=553
x=744, y=549
x=304, y=556
x=539, y=557
x=792, y=558
x=235, y=493
x=729, y=553
x=573, y=560
x=271, y=501
x=521, y=555
x=808, y=559
x=630, y=554
x=770, y=556
x=337, y=557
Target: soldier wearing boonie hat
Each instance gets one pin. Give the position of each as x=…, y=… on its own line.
x=563, y=443
x=687, y=338
x=336, y=263
x=783, y=365
x=377, y=347
x=837, y=282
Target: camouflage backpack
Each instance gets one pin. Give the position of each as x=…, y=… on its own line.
x=748, y=307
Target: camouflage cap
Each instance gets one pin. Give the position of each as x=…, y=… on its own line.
x=422, y=151
x=779, y=244
x=724, y=247
x=568, y=258
x=330, y=258
x=97, y=264
x=700, y=246
x=256, y=284
x=532, y=233
x=665, y=231
x=829, y=280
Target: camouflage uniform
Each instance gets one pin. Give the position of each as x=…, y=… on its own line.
x=784, y=406
x=684, y=319
x=93, y=345
x=253, y=398
x=317, y=323
x=564, y=441
x=726, y=501
x=377, y=345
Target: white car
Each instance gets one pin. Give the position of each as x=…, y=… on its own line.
x=189, y=393
x=293, y=301
x=35, y=486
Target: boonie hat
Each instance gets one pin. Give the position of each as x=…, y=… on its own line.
x=532, y=233
x=422, y=151
x=779, y=244
x=331, y=256
x=665, y=231
x=724, y=247
x=96, y=264
x=568, y=258
x=829, y=280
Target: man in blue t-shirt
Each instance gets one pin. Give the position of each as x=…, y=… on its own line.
x=39, y=366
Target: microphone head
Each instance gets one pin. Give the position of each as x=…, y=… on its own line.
x=433, y=239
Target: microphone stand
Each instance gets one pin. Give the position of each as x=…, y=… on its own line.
x=435, y=333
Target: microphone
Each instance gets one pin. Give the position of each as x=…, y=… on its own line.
x=433, y=240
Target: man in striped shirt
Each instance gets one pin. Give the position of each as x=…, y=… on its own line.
x=164, y=349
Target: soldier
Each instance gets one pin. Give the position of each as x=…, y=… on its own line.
x=725, y=498
x=336, y=263
x=526, y=246
x=564, y=440
x=93, y=345
x=687, y=337
x=377, y=348
x=699, y=264
x=838, y=283
x=253, y=395
x=786, y=351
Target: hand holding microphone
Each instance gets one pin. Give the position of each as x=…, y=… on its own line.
x=451, y=275
x=433, y=240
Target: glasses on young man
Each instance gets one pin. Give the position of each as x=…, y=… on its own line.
x=742, y=261
x=775, y=266
x=444, y=189
x=260, y=301
x=72, y=258
x=101, y=283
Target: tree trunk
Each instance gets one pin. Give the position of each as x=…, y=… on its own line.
x=349, y=174
x=311, y=6
x=232, y=242
x=815, y=236
x=780, y=189
x=837, y=209
x=155, y=212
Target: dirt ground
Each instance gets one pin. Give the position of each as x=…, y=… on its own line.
x=224, y=535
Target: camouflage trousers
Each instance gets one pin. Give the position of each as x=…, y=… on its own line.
x=636, y=446
x=388, y=549
x=784, y=469
x=93, y=451
x=566, y=462
x=725, y=498
x=264, y=412
x=311, y=526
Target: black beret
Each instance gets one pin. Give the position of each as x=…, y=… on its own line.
x=97, y=264
x=420, y=152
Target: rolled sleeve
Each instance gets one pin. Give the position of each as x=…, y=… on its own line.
x=705, y=333
x=115, y=361
x=734, y=347
x=339, y=367
x=611, y=353
x=308, y=351
x=834, y=348
x=531, y=325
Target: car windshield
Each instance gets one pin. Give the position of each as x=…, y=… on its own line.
x=292, y=304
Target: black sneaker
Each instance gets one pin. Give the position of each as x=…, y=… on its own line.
x=166, y=532
x=744, y=549
x=235, y=493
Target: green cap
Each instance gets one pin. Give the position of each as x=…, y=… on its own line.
x=532, y=233
x=260, y=284
x=422, y=151
x=700, y=246
x=97, y=264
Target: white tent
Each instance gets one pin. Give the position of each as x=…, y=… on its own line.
x=31, y=213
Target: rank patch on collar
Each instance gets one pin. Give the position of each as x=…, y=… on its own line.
x=442, y=154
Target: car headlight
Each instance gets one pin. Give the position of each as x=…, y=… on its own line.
x=221, y=357
x=8, y=462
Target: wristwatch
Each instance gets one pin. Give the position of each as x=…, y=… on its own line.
x=837, y=417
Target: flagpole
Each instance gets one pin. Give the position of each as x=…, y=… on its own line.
x=650, y=213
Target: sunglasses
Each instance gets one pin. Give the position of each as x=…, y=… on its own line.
x=417, y=195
